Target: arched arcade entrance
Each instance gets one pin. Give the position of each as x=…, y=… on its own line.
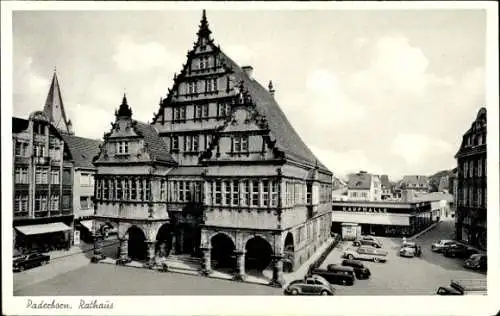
x=164, y=241
x=289, y=253
x=222, y=253
x=137, y=247
x=258, y=254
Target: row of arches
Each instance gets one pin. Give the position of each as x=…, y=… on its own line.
x=258, y=251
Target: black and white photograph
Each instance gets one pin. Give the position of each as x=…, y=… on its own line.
x=173, y=158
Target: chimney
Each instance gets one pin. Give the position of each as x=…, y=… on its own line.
x=271, y=88
x=248, y=71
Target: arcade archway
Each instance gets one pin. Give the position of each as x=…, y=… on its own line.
x=258, y=254
x=164, y=241
x=222, y=253
x=137, y=247
x=289, y=253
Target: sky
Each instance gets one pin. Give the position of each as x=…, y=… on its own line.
x=386, y=91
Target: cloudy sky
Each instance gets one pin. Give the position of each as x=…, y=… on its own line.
x=384, y=91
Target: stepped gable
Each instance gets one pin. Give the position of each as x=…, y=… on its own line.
x=157, y=148
x=82, y=149
x=287, y=139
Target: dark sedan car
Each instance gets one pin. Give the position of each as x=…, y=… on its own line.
x=22, y=263
x=312, y=285
x=477, y=262
x=360, y=270
x=459, y=251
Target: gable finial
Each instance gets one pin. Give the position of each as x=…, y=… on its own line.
x=204, y=30
x=124, y=110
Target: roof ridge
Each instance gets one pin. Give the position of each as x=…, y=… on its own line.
x=312, y=159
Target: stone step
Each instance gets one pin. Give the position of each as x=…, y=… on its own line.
x=184, y=259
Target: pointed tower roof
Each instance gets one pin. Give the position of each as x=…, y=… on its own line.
x=204, y=30
x=124, y=111
x=54, y=107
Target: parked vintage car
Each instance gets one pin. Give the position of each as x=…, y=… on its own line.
x=410, y=250
x=337, y=274
x=370, y=238
x=366, y=253
x=464, y=287
x=29, y=261
x=477, y=262
x=459, y=251
x=360, y=270
x=310, y=285
x=439, y=246
x=366, y=242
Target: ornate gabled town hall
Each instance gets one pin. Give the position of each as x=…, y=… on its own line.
x=220, y=173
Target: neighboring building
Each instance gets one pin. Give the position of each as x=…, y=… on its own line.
x=83, y=150
x=415, y=182
x=471, y=214
x=381, y=218
x=444, y=184
x=442, y=204
x=77, y=166
x=219, y=171
x=386, y=187
x=42, y=190
x=453, y=189
x=363, y=186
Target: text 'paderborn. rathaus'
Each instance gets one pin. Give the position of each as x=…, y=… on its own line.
x=220, y=173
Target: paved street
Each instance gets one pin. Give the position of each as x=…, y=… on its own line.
x=408, y=276
x=105, y=279
x=78, y=257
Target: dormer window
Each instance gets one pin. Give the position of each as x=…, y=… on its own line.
x=122, y=147
x=240, y=144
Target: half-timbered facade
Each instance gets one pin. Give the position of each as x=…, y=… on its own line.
x=239, y=185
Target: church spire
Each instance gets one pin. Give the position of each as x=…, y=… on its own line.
x=124, y=111
x=54, y=107
x=204, y=31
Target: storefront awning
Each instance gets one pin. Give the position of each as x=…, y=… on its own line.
x=87, y=224
x=43, y=228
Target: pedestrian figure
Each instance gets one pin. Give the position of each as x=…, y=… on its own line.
x=404, y=240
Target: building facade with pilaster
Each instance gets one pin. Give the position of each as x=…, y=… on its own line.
x=471, y=197
x=236, y=185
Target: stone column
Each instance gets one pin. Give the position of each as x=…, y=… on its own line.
x=206, y=268
x=173, y=250
x=97, y=255
x=124, y=248
x=181, y=241
x=151, y=252
x=240, y=266
x=277, y=279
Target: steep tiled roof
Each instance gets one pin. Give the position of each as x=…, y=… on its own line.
x=156, y=146
x=19, y=125
x=416, y=180
x=287, y=138
x=82, y=150
x=359, y=181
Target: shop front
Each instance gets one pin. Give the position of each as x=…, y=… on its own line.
x=43, y=237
